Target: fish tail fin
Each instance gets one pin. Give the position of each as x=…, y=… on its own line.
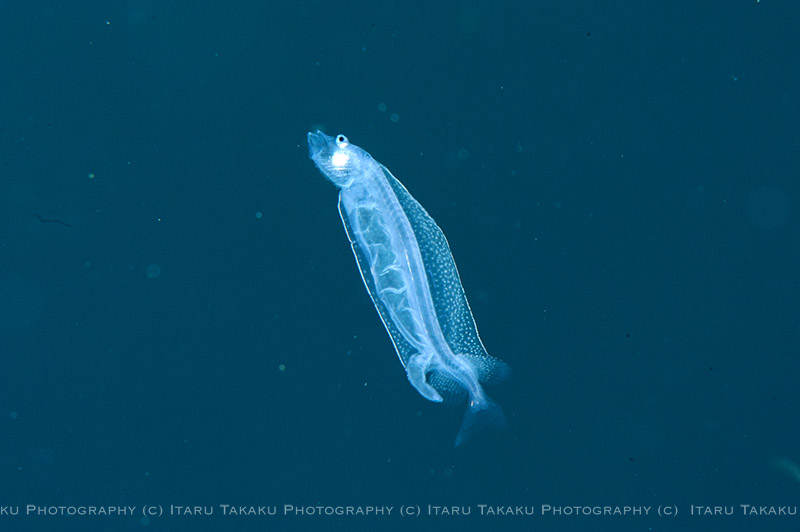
x=482, y=413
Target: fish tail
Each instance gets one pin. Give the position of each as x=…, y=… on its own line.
x=482, y=413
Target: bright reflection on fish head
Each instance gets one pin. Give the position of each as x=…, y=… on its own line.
x=339, y=159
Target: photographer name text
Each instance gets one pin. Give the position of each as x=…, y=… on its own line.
x=403, y=511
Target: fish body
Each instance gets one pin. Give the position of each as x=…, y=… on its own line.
x=409, y=272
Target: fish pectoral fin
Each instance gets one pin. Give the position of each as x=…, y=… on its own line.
x=416, y=369
x=490, y=370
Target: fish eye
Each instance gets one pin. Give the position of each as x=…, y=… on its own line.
x=341, y=141
x=341, y=138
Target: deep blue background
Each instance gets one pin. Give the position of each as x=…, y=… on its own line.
x=618, y=182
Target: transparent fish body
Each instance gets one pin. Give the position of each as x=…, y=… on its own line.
x=409, y=272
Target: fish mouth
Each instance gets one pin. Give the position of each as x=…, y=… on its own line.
x=317, y=141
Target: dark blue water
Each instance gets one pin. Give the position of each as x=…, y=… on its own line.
x=182, y=322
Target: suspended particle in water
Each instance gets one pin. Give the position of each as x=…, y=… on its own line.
x=153, y=271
